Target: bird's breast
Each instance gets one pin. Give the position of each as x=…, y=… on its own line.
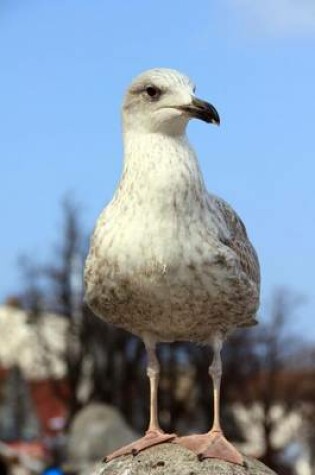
x=139, y=252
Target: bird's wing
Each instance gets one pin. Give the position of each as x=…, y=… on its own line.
x=237, y=240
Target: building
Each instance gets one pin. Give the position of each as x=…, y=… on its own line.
x=33, y=389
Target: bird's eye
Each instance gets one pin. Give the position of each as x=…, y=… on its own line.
x=153, y=92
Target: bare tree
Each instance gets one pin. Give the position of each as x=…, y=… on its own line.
x=56, y=286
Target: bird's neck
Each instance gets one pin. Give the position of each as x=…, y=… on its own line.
x=161, y=168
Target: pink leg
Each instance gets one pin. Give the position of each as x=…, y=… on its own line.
x=215, y=371
x=153, y=372
x=214, y=444
x=154, y=435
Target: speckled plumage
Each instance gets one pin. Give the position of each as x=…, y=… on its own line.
x=168, y=260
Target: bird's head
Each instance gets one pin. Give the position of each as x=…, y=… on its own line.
x=163, y=100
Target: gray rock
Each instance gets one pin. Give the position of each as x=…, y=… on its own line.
x=171, y=459
x=96, y=431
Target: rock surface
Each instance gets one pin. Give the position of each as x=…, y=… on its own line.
x=171, y=459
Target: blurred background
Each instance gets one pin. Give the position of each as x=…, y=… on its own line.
x=71, y=388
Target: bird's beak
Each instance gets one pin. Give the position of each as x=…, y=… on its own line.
x=202, y=110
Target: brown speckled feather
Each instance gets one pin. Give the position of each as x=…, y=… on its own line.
x=238, y=240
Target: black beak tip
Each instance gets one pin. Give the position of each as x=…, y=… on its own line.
x=214, y=116
x=205, y=111
x=202, y=110
x=216, y=121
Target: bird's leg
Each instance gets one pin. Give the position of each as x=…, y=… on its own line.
x=215, y=371
x=219, y=447
x=214, y=444
x=154, y=434
x=153, y=372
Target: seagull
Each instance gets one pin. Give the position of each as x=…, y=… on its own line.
x=169, y=261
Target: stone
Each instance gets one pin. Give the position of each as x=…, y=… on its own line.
x=172, y=459
x=97, y=430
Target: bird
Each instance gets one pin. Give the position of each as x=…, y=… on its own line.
x=168, y=260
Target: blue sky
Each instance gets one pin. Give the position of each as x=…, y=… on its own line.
x=64, y=67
